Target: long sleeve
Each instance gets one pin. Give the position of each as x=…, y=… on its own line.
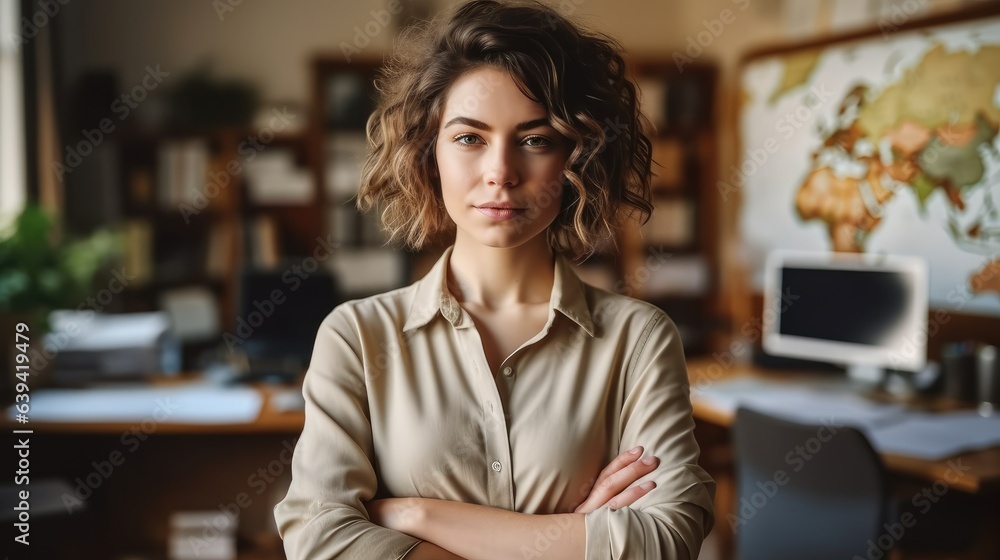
x=323, y=515
x=674, y=518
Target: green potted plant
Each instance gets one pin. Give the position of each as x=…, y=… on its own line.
x=40, y=272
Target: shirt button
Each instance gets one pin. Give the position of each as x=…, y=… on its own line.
x=496, y=466
x=508, y=371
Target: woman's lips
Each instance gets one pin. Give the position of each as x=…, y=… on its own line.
x=500, y=214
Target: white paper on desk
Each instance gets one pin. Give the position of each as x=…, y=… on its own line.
x=798, y=403
x=936, y=436
x=810, y=406
x=197, y=404
x=727, y=395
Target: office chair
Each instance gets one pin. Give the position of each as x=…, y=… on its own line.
x=807, y=492
x=802, y=497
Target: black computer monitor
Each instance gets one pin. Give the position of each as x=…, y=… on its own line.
x=865, y=311
x=282, y=310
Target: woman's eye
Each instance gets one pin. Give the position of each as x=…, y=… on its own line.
x=537, y=142
x=467, y=139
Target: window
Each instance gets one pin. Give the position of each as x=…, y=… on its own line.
x=13, y=181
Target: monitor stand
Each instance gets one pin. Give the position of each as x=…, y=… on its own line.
x=900, y=384
x=866, y=379
x=866, y=374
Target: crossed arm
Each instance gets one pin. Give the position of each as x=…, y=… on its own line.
x=453, y=530
x=327, y=512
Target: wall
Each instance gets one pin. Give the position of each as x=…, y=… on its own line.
x=271, y=43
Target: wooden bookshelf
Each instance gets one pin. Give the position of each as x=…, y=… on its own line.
x=672, y=260
x=191, y=218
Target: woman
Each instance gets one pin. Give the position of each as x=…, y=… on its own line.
x=469, y=415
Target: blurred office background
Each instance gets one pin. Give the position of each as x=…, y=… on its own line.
x=170, y=166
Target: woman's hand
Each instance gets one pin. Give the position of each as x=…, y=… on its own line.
x=612, y=486
x=398, y=514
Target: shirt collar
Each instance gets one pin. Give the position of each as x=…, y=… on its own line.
x=432, y=295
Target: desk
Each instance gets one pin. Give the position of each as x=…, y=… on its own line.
x=713, y=423
x=177, y=467
x=269, y=421
x=984, y=466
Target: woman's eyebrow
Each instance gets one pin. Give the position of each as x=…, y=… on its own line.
x=483, y=126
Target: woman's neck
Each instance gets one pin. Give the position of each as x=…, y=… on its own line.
x=497, y=278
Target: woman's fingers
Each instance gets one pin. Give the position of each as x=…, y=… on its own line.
x=630, y=495
x=619, y=462
x=613, y=485
x=620, y=480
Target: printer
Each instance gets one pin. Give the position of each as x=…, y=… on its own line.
x=88, y=347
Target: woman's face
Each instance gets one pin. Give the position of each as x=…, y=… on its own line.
x=495, y=146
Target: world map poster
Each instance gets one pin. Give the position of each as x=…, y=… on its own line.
x=884, y=145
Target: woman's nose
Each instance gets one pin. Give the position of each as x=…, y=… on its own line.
x=501, y=167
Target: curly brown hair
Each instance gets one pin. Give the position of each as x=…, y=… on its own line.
x=579, y=78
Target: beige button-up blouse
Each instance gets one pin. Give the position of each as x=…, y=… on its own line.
x=400, y=402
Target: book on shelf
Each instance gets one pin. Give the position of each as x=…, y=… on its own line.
x=138, y=251
x=141, y=187
x=668, y=158
x=193, y=312
x=221, y=253
x=341, y=223
x=182, y=172
x=672, y=223
x=264, y=247
x=273, y=178
x=679, y=276
x=652, y=99
x=345, y=154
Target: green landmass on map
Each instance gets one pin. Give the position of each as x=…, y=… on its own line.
x=943, y=88
x=928, y=131
x=797, y=69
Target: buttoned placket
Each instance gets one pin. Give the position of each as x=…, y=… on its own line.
x=495, y=392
